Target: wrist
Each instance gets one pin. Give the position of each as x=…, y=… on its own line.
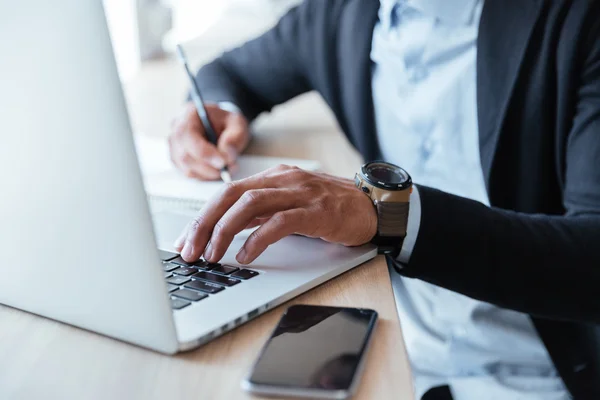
x=388, y=187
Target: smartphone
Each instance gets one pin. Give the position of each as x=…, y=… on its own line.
x=314, y=352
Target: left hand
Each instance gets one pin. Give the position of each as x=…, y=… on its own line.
x=281, y=201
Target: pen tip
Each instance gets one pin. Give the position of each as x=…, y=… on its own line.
x=226, y=176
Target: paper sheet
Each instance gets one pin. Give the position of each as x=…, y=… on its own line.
x=162, y=179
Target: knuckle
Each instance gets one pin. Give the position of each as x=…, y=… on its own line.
x=312, y=185
x=280, y=219
x=298, y=173
x=251, y=197
x=186, y=158
x=282, y=167
x=195, y=225
x=324, y=202
x=220, y=231
x=256, y=238
x=229, y=190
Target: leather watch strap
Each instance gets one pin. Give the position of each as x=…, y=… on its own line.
x=392, y=224
x=392, y=218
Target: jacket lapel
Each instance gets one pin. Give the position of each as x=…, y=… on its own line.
x=355, y=74
x=504, y=33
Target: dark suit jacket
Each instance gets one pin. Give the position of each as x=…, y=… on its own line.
x=537, y=248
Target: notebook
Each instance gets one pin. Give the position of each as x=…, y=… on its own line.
x=169, y=190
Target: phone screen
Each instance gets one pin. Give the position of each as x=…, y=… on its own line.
x=315, y=348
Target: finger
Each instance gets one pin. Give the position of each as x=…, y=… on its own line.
x=201, y=149
x=256, y=222
x=280, y=225
x=195, y=169
x=201, y=171
x=234, y=138
x=199, y=233
x=252, y=204
x=189, y=134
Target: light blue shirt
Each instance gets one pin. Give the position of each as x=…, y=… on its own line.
x=424, y=93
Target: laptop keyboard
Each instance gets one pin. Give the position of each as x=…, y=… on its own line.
x=189, y=283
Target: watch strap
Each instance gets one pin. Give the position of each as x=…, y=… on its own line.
x=389, y=245
x=392, y=218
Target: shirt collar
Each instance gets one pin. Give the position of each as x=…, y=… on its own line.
x=451, y=11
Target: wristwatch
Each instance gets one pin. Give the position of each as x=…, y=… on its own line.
x=389, y=187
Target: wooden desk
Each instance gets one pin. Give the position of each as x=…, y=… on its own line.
x=43, y=359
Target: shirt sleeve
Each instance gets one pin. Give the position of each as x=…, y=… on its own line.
x=412, y=228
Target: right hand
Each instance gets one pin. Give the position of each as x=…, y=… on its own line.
x=194, y=155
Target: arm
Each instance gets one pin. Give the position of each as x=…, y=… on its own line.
x=547, y=266
x=243, y=83
x=264, y=72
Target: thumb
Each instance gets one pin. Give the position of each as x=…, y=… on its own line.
x=231, y=143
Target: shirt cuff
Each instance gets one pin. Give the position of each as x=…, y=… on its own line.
x=229, y=106
x=412, y=227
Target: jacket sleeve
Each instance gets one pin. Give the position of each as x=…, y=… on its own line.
x=265, y=71
x=547, y=266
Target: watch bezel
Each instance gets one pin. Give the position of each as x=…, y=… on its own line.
x=385, y=185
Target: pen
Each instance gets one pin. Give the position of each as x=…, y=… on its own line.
x=211, y=134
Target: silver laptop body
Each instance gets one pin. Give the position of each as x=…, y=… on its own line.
x=77, y=240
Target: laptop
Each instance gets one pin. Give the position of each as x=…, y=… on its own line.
x=78, y=242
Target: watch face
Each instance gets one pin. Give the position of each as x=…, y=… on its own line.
x=386, y=175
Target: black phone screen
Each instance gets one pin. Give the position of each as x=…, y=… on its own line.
x=315, y=347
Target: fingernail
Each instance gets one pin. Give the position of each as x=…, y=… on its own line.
x=216, y=162
x=188, y=251
x=242, y=256
x=208, y=251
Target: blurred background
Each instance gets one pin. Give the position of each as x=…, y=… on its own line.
x=144, y=34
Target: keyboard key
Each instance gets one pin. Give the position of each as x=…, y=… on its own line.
x=168, y=275
x=167, y=255
x=206, y=287
x=185, y=271
x=170, y=267
x=203, y=265
x=178, y=280
x=200, y=264
x=224, y=269
x=182, y=262
x=244, y=274
x=190, y=295
x=171, y=288
x=221, y=280
x=178, y=304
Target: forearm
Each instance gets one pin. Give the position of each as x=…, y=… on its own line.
x=219, y=85
x=548, y=266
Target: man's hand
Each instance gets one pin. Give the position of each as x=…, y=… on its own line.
x=194, y=155
x=283, y=201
